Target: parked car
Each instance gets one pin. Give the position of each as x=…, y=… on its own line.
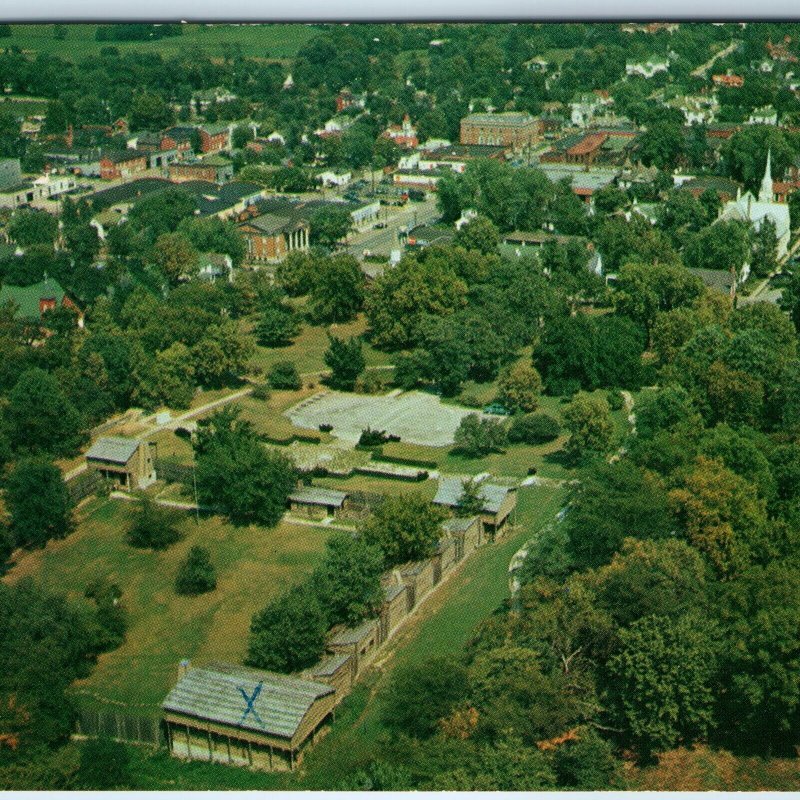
x=379, y=225
x=496, y=408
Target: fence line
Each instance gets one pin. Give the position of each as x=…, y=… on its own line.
x=124, y=727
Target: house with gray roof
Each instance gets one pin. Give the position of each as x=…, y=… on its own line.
x=126, y=462
x=234, y=715
x=316, y=501
x=498, y=502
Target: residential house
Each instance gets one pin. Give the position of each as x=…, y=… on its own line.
x=728, y=80
x=588, y=106
x=766, y=115
x=213, y=266
x=647, y=69
x=403, y=135
x=126, y=462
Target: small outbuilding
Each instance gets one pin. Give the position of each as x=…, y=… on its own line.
x=498, y=502
x=360, y=642
x=466, y=534
x=316, y=502
x=234, y=715
x=127, y=462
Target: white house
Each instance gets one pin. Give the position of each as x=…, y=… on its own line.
x=766, y=115
x=648, y=68
x=331, y=178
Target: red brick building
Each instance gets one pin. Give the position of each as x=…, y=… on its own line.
x=510, y=129
x=271, y=237
x=214, y=138
x=123, y=164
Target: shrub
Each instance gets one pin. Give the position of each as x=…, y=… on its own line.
x=284, y=375
x=477, y=437
x=370, y=383
x=196, y=575
x=371, y=438
x=615, y=400
x=470, y=400
x=153, y=526
x=533, y=429
x=325, y=427
x=183, y=433
x=261, y=392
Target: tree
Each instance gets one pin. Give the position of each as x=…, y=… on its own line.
x=663, y=680
x=478, y=234
x=720, y=515
x=346, y=361
x=284, y=375
x=222, y=354
x=476, y=437
x=257, y=480
x=174, y=255
x=614, y=501
x=519, y=387
x=587, y=764
x=725, y=245
x=103, y=762
x=277, y=325
x=661, y=144
x=588, y=420
x=289, y=633
x=153, y=526
x=337, y=291
x=405, y=528
x=40, y=418
x=168, y=379
x=196, y=574
x=38, y=503
x=28, y=227
x=533, y=429
x=764, y=259
x=471, y=502
x=421, y=695
x=162, y=212
x=329, y=225
x=348, y=582
x=150, y=112
x=296, y=273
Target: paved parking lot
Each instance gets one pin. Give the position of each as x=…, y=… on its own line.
x=415, y=417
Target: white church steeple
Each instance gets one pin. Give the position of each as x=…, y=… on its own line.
x=765, y=193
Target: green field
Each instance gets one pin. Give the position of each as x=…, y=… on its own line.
x=308, y=349
x=278, y=41
x=253, y=565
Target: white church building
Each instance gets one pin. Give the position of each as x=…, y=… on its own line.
x=747, y=208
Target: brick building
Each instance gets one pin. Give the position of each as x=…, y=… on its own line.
x=514, y=129
x=214, y=169
x=272, y=235
x=123, y=164
x=214, y=138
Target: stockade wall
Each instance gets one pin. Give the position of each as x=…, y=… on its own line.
x=118, y=725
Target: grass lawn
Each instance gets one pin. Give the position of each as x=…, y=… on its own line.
x=308, y=349
x=253, y=565
x=278, y=41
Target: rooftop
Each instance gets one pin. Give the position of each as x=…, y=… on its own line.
x=451, y=490
x=317, y=496
x=116, y=449
x=216, y=693
x=353, y=635
x=513, y=118
x=27, y=298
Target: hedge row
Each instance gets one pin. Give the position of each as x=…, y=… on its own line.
x=305, y=438
x=422, y=475
x=410, y=462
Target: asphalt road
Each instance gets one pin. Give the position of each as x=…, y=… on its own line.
x=383, y=240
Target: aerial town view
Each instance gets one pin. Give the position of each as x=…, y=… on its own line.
x=400, y=406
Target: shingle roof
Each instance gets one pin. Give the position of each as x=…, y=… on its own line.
x=317, y=496
x=216, y=692
x=514, y=118
x=113, y=448
x=390, y=592
x=353, y=635
x=330, y=665
x=451, y=490
x=458, y=524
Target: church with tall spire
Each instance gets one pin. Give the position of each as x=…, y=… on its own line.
x=754, y=210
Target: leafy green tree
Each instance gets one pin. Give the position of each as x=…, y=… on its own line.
x=476, y=437
x=337, y=291
x=519, y=387
x=40, y=418
x=150, y=112
x=421, y=695
x=284, y=375
x=661, y=144
x=296, y=273
x=162, y=212
x=153, y=526
x=405, y=528
x=289, y=633
x=613, y=502
x=725, y=245
x=479, y=234
x=663, y=680
x=588, y=420
x=258, y=480
x=764, y=259
x=587, y=764
x=213, y=235
x=38, y=503
x=104, y=763
x=278, y=325
x=329, y=225
x=348, y=582
x=196, y=574
x=168, y=379
x=533, y=429
x=174, y=255
x=28, y=227
x=222, y=354
x=345, y=359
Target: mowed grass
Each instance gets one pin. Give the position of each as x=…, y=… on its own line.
x=253, y=565
x=308, y=349
x=276, y=41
